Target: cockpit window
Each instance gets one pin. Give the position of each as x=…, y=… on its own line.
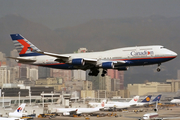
x=162, y=47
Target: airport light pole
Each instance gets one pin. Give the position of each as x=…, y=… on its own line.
x=30, y=97
x=43, y=98
x=19, y=97
x=3, y=100
x=52, y=96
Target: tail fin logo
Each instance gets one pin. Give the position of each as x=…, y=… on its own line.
x=148, y=99
x=135, y=99
x=26, y=46
x=19, y=109
x=102, y=104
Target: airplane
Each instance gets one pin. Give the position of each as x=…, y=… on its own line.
x=78, y=111
x=177, y=101
x=145, y=101
x=17, y=114
x=156, y=99
x=119, y=59
x=121, y=105
x=153, y=116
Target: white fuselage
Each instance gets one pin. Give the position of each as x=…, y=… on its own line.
x=150, y=116
x=67, y=111
x=175, y=101
x=133, y=56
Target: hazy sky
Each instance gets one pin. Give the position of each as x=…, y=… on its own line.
x=63, y=13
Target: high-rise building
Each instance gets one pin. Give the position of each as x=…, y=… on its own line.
x=44, y=72
x=178, y=74
x=66, y=75
x=118, y=75
x=13, y=53
x=33, y=74
x=14, y=74
x=23, y=73
x=4, y=75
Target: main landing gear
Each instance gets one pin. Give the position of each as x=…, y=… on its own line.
x=159, y=69
x=95, y=72
x=103, y=72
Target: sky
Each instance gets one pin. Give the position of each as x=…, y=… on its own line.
x=66, y=13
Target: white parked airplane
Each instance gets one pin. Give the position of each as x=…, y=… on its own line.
x=17, y=114
x=177, y=101
x=71, y=111
x=119, y=59
x=155, y=116
x=121, y=105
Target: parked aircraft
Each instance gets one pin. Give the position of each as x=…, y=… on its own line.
x=10, y=119
x=17, y=114
x=71, y=111
x=177, y=101
x=118, y=59
x=155, y=116
x=121, y=105
x=145, y=101
x=155, y=100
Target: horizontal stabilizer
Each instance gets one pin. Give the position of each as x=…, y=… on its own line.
x=22, y=59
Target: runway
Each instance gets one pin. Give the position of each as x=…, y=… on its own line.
x=166, y=112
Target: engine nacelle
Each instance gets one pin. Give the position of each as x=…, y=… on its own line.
x=155, y=110
x=122, y=68
x=66, y=113
x=107, y=65
x=78, y=61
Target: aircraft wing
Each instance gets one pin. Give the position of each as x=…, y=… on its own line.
x=66, y=58
x=22, y=59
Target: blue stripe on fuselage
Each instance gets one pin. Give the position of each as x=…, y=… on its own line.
x=145, y=61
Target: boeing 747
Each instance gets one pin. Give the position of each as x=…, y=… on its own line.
x=119, y=59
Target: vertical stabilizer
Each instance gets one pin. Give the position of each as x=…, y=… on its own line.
x=135, y=99
x=147, y=99
x=18, y=112
x=23, y=46
x=157, y=98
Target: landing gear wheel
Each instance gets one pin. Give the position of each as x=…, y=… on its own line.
x=102, y=75
x=158, y=69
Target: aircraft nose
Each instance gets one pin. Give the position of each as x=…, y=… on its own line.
x=174, y=54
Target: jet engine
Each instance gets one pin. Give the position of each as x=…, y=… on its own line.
x=66, y=113
x=78, y=61
x=107, y=65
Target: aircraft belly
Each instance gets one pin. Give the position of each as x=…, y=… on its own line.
x=145, y=61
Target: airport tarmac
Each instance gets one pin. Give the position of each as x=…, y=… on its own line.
x=163, y=113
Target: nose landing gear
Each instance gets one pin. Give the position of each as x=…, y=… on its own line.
x=159, y=69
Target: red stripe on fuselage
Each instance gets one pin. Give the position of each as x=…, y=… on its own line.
x=52, y=64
